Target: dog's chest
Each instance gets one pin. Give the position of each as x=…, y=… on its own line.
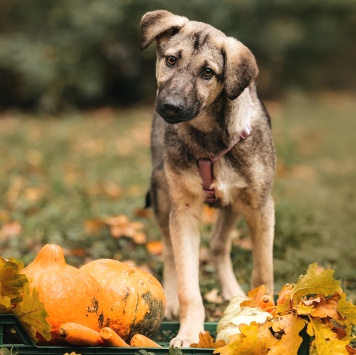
x=227, y=182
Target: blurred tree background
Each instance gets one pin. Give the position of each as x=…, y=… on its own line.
x=63, y=53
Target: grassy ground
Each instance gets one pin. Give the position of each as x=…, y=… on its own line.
x=60, y=177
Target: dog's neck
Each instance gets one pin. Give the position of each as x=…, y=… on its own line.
x=218, y=127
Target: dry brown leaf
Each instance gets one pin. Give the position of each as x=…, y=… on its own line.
x=255, y=296
x=10, y=229
x=213, y=296
x=34, y=193
x=78, y=252
x=155, y=247
x=119, y=226
x=93, y=226
x=139, y=237
x=326, y=307
x=207, y=341
x=208, y=215
x=143, y=212
x=119, y=220
x=350, y=349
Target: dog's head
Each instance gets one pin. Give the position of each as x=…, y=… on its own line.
x=196, y=64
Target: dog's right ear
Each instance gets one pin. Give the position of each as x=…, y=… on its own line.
x=155, y=23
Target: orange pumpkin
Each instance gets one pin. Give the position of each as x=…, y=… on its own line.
x=136, y=297
x=69, y=294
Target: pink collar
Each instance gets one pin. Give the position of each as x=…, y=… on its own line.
x=206, y=168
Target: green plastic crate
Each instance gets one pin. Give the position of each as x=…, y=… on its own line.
x=14, y=338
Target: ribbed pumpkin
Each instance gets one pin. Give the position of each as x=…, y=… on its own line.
x=69, y=294
x=136, y=297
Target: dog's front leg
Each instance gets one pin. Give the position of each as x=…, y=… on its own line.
x=184, y=228
x=261, y=225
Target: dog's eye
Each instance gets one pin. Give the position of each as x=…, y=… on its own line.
x=207, y=73
x=170, y=60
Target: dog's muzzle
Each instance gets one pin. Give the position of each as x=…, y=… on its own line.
x=173, y=110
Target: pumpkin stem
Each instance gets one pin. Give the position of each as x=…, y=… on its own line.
x=50, y=254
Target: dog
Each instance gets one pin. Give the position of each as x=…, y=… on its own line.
x=211, y=142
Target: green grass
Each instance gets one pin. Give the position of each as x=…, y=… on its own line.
x=58, y=172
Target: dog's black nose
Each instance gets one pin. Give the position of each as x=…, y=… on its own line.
x=173, y=106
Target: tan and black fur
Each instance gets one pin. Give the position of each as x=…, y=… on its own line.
x=206, y=96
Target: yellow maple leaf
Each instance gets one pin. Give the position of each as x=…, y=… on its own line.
x=11, y=280
x=32, y=314
x=314, y=282
x=303, y=309
x=346, y=309
x=326, y=342
x=289, y=327
x=207, y=341
x=5, y=304
x=254, y=340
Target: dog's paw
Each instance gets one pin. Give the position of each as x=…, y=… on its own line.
x=183, y=340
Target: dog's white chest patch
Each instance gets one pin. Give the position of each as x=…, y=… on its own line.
x=224, y=192
x=226, y=183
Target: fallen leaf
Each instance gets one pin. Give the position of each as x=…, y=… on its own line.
x=326, y=307
x=35, y=193
x=254, y=339
x=11, y=280
x=255, y=296
x=143, y=212
x=139, y=237
x=5, y=303
x=208, y=215
x=120, y=220
x=303, y=309
x=346, y=309
x=213, y=296
x=244, y=243
x=93, y=226
x=119, y=226
x=10, y=229
x=207, y=341
x=350, y=349
x=78, y=252
x=326, y=342
x=321, y=283
x=155, y=247
x=32, y=314
x=288, y=327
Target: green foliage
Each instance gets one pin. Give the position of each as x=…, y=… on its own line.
x=57, y=173
x=86, y=52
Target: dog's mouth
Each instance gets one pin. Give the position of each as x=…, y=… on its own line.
x=174, y=119
x=174, y=115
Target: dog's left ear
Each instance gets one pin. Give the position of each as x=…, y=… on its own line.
x=155, y=23
x=240, y=67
